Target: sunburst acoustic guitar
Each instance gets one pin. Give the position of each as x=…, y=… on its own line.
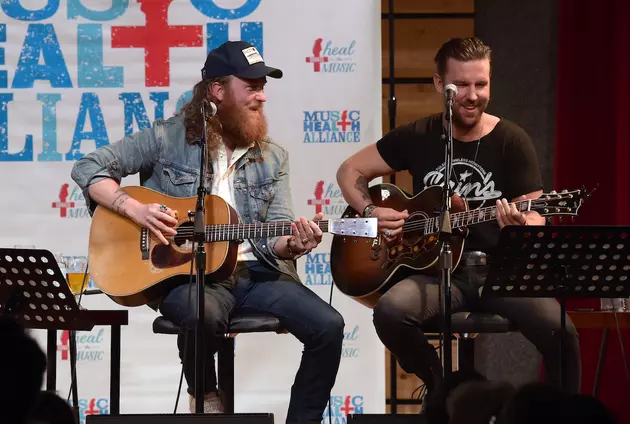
x=363, y=268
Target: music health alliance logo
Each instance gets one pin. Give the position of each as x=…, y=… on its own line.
x=317, y=269
x=92, y=406
x=342, y=406
x=71, y=204
x=332, y=126
x=332, y=57
x=89, y=346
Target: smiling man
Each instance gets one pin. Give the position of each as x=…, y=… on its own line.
x=494, y=163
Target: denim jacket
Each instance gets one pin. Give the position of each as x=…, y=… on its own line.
x=170, y=165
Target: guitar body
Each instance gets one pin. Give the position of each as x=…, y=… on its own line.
x=366, y=268
x=133, y=267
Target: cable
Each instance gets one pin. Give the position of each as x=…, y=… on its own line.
x=181, y=376
x=330, y=397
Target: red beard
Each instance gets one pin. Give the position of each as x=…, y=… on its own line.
x=244, y=125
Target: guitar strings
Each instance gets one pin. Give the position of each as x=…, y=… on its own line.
x=475, y=213
x=217, y=230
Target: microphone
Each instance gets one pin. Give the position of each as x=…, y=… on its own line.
x=450, y=92
x=211, y=106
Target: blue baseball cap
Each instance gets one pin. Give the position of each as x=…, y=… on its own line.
x=238, y=58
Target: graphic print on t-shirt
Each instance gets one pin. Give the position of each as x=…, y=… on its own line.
x=468, y=180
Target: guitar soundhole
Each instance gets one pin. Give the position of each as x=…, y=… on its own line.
x=184, y=236
x=178, y=252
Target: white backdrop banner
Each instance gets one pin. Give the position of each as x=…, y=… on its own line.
x=76, y=75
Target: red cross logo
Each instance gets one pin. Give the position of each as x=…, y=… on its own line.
x=63, y=204
x=64, y=347
x=156, y=38
x=318, y=201
x=344, y=121
x=316, y=59
x=346, y=408
x=92, y=410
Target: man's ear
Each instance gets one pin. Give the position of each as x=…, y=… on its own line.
x=438, y=83
x=217, y=90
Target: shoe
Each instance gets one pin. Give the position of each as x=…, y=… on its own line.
x=211, y=403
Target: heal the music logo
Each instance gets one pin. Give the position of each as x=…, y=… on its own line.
x=328, y=199
x=70, y=203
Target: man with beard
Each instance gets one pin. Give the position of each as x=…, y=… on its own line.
x=493, y=160
x=251, y=172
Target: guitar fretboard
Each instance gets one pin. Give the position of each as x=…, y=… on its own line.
x=226, y=232
x=462, y=219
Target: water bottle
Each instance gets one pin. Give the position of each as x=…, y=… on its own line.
x=619, y=304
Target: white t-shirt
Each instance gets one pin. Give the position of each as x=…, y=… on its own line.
x=223, y=186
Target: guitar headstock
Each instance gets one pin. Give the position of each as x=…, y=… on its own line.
x=564, y=203
x=355, y=227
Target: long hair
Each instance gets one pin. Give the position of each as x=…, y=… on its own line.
x=193, y=121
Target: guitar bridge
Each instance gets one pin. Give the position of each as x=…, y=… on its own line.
x=145, y=243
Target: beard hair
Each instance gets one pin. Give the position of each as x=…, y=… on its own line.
x=461, y=122
x=244, y=125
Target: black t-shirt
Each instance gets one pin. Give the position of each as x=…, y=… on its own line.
x=503, y=164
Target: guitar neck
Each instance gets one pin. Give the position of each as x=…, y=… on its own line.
x=228, y=232
x=464, y=219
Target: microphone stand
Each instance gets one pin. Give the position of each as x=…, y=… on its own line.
x=199, y=236
x=446, y=255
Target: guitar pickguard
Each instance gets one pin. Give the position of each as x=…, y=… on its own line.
x=409, y=251
x=163, y=257
x=415, y=242
x=178, y=252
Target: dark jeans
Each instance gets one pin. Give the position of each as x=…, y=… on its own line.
x=303, y=313
x=400, y=312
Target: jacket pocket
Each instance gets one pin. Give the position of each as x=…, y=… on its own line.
x=179, y=183
x=261, y=195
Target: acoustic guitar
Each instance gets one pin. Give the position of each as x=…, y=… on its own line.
x=131, y=266
x=363, y=268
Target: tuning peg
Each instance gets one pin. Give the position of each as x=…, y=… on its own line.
x=565, y=191
x=553, y=192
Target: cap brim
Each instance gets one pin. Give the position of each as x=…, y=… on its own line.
x=255, y=72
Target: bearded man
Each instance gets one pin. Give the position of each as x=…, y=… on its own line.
x=251, y=173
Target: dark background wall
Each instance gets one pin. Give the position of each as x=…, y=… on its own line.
x=523, y=38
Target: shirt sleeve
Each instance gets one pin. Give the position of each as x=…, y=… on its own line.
x=396, y=147
x=522, y=166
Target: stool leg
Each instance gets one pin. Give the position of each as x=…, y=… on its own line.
x=466, y=354
x=225, y=371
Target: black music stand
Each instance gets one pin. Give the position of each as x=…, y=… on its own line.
x=34, y=292
x=561, y=262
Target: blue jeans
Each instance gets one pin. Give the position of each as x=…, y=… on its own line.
x=258, y=288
